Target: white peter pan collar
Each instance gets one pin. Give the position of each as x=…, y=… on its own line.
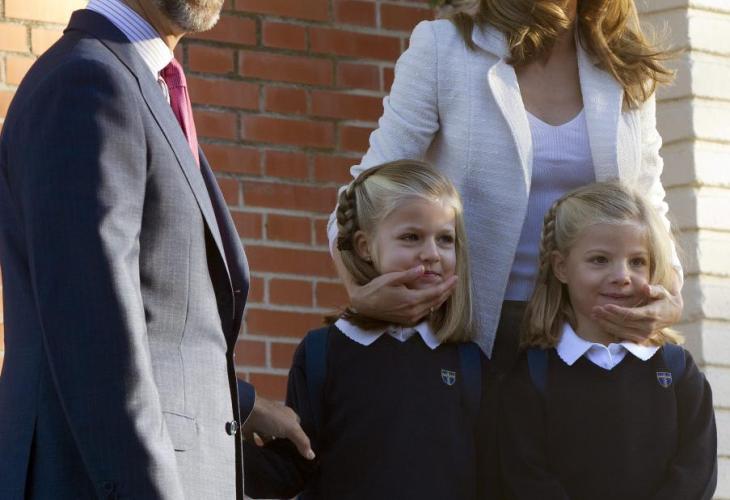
x=401, y=333
x=571, y=347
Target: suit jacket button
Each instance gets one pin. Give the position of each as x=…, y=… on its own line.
x=232, y=427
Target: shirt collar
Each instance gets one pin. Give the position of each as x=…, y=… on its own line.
x=571, y=347
x=145, y=39
x=401, y=333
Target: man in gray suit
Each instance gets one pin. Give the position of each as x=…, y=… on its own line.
x=124, y=279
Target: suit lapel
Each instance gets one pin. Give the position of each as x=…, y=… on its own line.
x=235, y=257
x=602, y=101
x=98, y=26
x=503, y=83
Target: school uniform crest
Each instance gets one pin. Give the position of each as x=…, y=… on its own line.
x=664, y=378
x=448, y=376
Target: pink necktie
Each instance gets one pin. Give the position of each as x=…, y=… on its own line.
x=180, y=102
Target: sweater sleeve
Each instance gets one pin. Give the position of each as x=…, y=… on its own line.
x=692, y=473
x=522, y=441
x=489, y=486
x=277, y=470
x=410, y=113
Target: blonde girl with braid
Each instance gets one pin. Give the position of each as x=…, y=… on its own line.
x=395, y=411
x=587, y=414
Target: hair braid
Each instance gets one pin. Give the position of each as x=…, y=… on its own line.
x=547, y=240
x=347, y=220
x=539, y=322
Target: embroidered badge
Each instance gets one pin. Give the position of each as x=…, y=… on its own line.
x=448, y=376
x=664, y=378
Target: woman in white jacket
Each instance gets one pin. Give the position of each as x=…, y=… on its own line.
x=519, y=103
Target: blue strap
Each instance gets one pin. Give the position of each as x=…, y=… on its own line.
x=675, y=360
x=471, y=369
x=315, y=357
x=537, y=361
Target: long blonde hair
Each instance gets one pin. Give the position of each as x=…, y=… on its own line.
x=374, y=195
x=549, y=306
x=609, y=30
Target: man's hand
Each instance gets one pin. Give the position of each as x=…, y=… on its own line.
x=389, y=298
x=662, y=309
x=270, y=419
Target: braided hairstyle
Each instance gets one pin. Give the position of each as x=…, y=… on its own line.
x=549, y=306
x=368, y=200
x=549, y=302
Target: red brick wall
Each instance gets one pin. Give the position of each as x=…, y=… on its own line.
x=285, y=94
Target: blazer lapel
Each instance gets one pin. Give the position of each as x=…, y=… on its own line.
x=506, y=91
x=602, y=102
x=98, y=26
x=235, y=256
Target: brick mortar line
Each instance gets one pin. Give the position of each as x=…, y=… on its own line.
x=279, y=84
x=260, y=306
x=330, y=23
x=296, y=277
x=304, y=54
x=269, y=338
x=269, y=180
x=285, y=245
x=258, y=370
x=279, y=211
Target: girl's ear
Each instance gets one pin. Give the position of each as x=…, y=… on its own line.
x=361, y=245
x=558, y=264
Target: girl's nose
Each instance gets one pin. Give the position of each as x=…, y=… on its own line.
x=429, y=251
x=621, y=274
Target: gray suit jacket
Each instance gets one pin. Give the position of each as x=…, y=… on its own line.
x=124, y=284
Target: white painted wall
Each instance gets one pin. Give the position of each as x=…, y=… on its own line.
x=694, y=120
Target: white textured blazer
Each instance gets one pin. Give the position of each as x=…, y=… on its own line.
x=462, y=111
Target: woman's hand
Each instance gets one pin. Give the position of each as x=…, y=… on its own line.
x=662, y=309
x=389, y=298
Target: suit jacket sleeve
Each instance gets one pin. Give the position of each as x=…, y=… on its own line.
x=277, y=470
x=692, y=473
x=81, y=195
x=410, y=117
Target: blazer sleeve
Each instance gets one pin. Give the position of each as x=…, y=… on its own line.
x=652, y=165
x=522, y=441
x=692, y=473
x=80, y=197
x=277, y=470
x=410, y=117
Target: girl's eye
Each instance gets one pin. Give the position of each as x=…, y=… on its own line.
x=409, y=237
x=639, y=262
x=599, y=259
x=446, y=239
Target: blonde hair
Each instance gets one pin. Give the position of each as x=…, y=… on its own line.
x=549, y=306
x=374, y=195
x=608, y=30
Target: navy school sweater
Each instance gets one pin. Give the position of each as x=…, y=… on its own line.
x=608, y=435
x=392, y=428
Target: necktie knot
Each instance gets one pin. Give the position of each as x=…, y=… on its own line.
x=173, y=74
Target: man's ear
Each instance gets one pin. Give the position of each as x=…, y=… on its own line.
x=361, y=245
x=558, y=263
